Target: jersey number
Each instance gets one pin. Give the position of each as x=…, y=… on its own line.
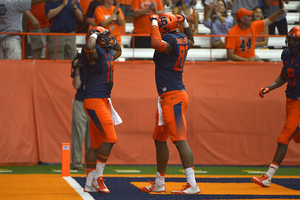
x=110, y=70
x=244, y=44
x=291, y=75
x=181, y=58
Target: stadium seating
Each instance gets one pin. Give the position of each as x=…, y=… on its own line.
x=271, y=52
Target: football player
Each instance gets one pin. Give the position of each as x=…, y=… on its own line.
x=171, y=48
x=99, y=53
x=290, y=74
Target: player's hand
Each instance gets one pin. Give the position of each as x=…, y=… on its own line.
x=153, y=17
x=263, y=91
x=180, y=18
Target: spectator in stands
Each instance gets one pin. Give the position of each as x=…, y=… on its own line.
x=110, y=17
x=91, y=10
x=166, y=2
x=141, y=11
x=219, y=22
x=238, y=4
x=83, y=26
x=125, y=6
x=62, y=14
x=37, y=23
x=271, y=6
x=11, y=21
x=84, y=4
x=210, y=3
x=80, y=120
x=178, y=3
x=243, y=48
x=258, y=15
x=190, y=14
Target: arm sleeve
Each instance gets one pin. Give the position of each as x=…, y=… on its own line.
x=207, y=23
x=228, y=23
x=21, y=5
x=230, y=41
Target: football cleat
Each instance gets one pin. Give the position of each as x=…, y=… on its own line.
x=187, y=189
x=89, y=189
x=263, y=181
x=99, y=185
x=153, y=188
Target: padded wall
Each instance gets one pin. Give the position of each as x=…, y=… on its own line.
x=228, y=123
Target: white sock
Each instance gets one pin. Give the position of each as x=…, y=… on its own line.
x=272, y=170
x=99, y=169
x=160, y=179
x=190, y=176
x=89, y=178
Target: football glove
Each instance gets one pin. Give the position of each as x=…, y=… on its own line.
x=180, y=18
x=153, y=17
x=263, y=91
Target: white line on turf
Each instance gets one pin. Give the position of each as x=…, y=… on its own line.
x=78, y=188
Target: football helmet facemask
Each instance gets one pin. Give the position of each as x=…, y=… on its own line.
x=105, y=38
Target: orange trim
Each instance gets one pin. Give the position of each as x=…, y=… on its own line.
x=101, y=156
x=163, y=175
x=274, y=164
x=89, y=51
x=91, y=163
x=101, y=161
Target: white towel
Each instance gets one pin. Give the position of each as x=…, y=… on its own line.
x=114, y=115
x=160, y=115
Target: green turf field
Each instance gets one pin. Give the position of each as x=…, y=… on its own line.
x=151, y=169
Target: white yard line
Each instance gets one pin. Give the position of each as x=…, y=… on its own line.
x=78, y=188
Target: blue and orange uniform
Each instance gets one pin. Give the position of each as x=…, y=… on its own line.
x=291, y=69
x=174, y=99
x=97, y=91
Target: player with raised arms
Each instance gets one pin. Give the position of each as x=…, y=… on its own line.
x=171, y=48
x=98, y=55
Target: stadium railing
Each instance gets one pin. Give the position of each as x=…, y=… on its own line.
x=202, y=50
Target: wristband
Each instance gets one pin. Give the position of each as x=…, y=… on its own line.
x=94, y=35
x=154, y=23
x=75, y=8
x=185, y=24
x=218, y=14
x=77, y=74
x=118, y=12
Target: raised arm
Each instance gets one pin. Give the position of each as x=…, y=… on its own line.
x=274, y=16
x=187, y=30
x=53, y=12
x=89, y=48
x=156, y=41
x=107, y=21
x=117, y=50
x=77, y=12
